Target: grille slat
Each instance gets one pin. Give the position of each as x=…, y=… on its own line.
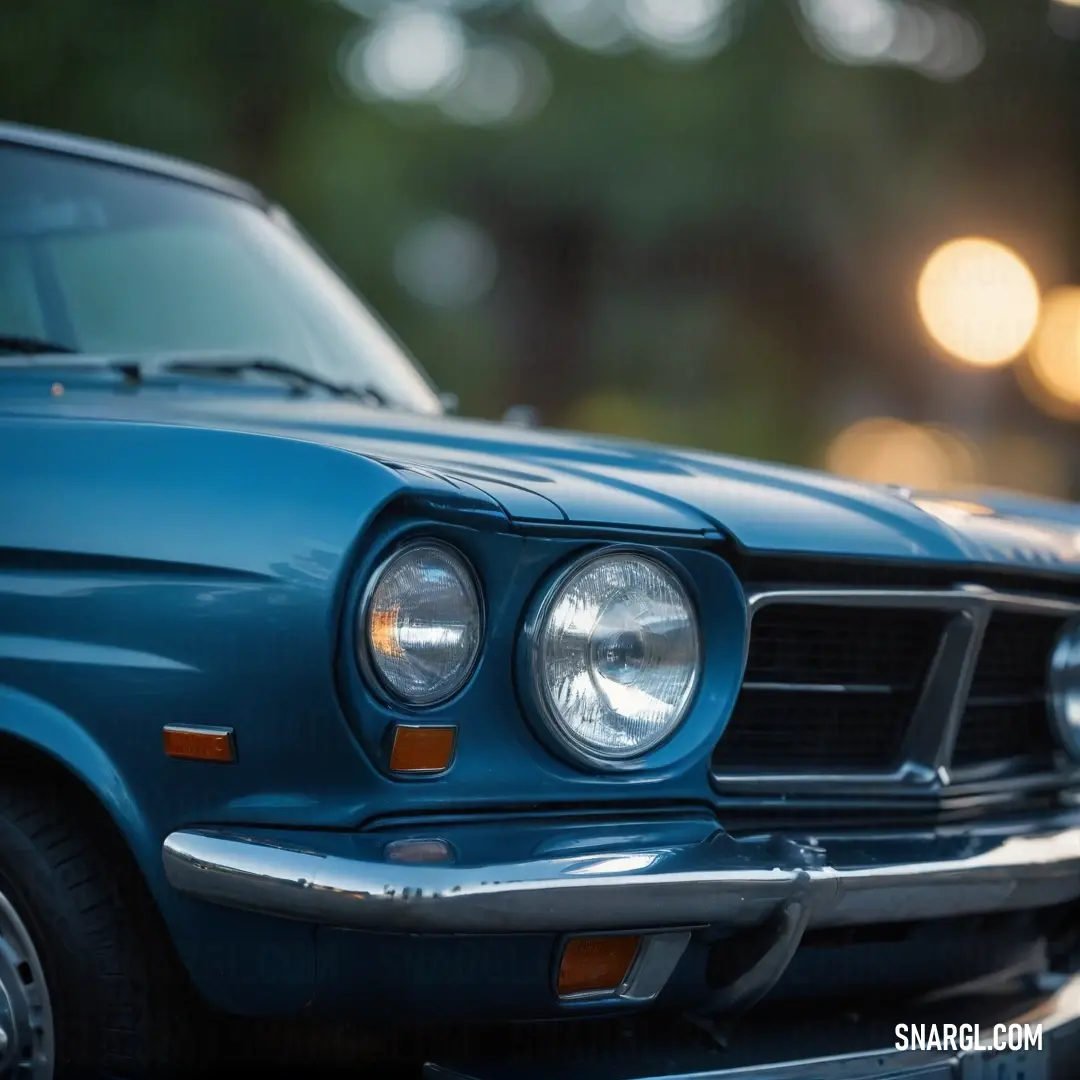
x=866, y=667
x=1005, y=717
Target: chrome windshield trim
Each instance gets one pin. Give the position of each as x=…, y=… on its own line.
x=846, y=880
x=936, y=720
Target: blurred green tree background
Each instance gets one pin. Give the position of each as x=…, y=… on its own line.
x=698, y=221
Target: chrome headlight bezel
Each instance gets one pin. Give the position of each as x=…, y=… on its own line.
x=362, y=627
x=553, y=730
x=1063, y=683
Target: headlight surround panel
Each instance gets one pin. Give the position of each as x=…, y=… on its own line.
x=716, y=640
x=506, y=750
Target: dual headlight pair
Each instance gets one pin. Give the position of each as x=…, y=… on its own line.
x=613, y=649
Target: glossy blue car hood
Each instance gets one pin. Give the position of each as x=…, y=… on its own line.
x=556, y=477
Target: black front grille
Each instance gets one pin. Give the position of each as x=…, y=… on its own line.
x=1006, y=716
x=850, y=646
x=828, y=687
x=787, y=731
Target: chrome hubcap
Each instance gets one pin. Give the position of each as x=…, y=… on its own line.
x=27, y=1048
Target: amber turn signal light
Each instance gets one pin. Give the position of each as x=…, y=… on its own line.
x=200, y=743
x=424, y=749
x=592, y=965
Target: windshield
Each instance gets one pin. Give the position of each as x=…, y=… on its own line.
x=108, y=260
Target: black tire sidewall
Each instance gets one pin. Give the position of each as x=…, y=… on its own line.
x=90, y=976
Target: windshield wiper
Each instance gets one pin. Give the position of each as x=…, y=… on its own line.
x=300, y=378
x=25, y=345
x=136, y=368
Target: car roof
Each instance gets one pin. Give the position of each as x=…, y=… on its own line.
x=128, y=158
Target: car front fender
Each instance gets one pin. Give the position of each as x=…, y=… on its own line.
x=47, y=729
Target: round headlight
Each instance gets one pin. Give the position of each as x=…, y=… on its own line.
x=422, y=623
x=615, y=656
x=1065, y=687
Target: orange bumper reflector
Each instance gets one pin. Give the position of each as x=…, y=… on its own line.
x=200, y=743
x=422, y=749
x=595, y=964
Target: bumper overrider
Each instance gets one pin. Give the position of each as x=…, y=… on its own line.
x=351, y=881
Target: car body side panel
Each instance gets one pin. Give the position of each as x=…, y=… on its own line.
x=46, y=728
x=152, y=575
x=159, y=598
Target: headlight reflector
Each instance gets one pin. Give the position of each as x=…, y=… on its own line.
x=616, y=656
x=422, y=623
x=1065, y=687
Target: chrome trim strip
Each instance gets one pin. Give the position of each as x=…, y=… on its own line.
x=963, y=674
x=199, y=729
x=817, y=688
x=846, y=880
x=656, y=961
x=936, y=721
x=961, y=597
x=908, y=776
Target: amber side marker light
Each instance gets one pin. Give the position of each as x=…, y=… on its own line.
x=593, y=965
x=422, y=749
x=200, y=743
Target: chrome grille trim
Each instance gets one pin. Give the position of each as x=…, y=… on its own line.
x=935, y=723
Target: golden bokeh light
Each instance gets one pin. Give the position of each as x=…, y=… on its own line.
x=1042, y=399
x=1055, y=351
x=979, y=301
x=964, y=457
x=1026, y=463
x=883, y=450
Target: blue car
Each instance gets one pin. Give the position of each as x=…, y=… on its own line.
x=316, y=701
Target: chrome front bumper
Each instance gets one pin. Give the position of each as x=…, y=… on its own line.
x=347, y=881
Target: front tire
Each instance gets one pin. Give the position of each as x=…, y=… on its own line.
x=89, y=985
